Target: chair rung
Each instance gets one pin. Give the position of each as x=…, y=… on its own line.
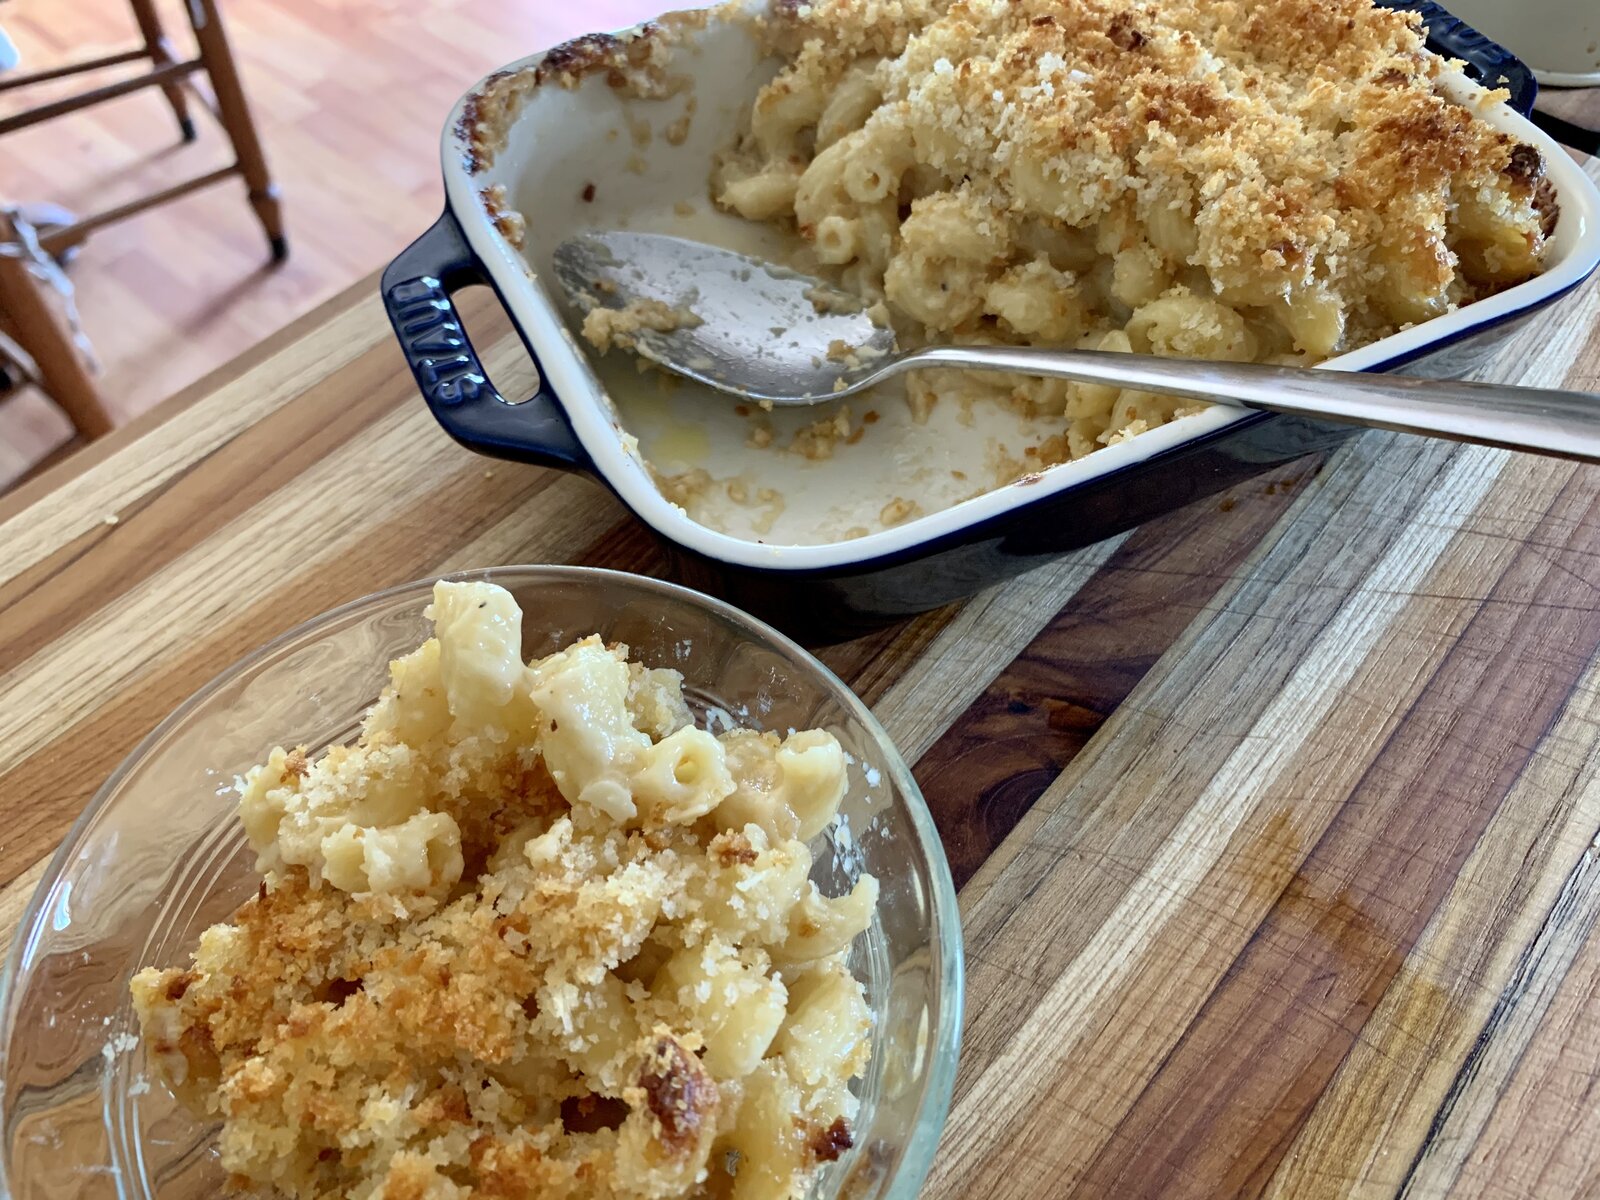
x=70, y=235
x=46, y=112
x=62, y=72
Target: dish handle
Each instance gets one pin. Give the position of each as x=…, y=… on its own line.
x=1488, y=62
x=417, y=288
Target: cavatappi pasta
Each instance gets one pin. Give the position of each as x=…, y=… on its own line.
x=1253, y=180
x=533, y=934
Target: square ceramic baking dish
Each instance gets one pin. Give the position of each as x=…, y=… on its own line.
x=619, y=131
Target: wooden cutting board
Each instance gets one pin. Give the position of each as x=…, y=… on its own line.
x=1275, y=821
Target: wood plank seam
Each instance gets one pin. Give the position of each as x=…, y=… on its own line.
x=1463, y=656
x=1529, y=972
x=1447, y=501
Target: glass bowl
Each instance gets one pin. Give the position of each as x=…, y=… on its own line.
x=159, y=855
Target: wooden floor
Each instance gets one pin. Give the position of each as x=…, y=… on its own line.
x=349, y=95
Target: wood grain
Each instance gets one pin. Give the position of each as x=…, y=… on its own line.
x=1014, y=739
x=1515, y=916
x=1113, y=912
x=1278, y=818
x=1228, y=1099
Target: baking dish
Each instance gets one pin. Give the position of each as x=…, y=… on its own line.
x=558, y=142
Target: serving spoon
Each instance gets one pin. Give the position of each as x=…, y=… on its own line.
x=766, y=334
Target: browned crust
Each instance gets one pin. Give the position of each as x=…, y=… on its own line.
x=469, y=125
x=678, y=1093
x=1124, y=33
x=571, y=61
x=1546, y=205
x=731, y=848
x=632, y=62
x=826, y=1145
x=505, y=218
x=1527, y=167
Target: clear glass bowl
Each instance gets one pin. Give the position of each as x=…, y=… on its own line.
x=159, y=855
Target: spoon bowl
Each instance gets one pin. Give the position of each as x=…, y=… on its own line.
x=775, y=337
x=735, y=323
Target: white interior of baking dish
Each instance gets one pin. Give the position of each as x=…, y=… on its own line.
x=594, y=157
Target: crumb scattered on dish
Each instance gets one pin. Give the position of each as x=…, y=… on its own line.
x=605, y=328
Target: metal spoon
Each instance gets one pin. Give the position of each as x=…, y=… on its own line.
x=770, y=335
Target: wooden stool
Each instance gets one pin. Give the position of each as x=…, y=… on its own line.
x=215, y=60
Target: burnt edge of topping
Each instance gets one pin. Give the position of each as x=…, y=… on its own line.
x=569, y=61
x=1527, y=166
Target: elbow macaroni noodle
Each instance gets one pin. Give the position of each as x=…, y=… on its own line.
x=533, y=930
x=1275, y=181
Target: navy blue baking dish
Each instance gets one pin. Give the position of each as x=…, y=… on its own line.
x=552, y=144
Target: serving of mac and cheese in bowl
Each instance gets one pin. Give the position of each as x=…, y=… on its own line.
x=540, y=881
x=1303, y=182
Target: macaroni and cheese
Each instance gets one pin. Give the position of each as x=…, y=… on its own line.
x=533, y=934
x=1271, y=180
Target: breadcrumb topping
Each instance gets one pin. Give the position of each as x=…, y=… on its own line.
x=1266, y=180
x=534, y=934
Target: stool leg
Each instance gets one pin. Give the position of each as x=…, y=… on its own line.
x=41, y=331
x=234, y=111
x=160, y=52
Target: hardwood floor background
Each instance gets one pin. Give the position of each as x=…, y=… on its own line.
x=349, y=97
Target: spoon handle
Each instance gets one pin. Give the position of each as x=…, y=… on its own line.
x=1565, y=424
